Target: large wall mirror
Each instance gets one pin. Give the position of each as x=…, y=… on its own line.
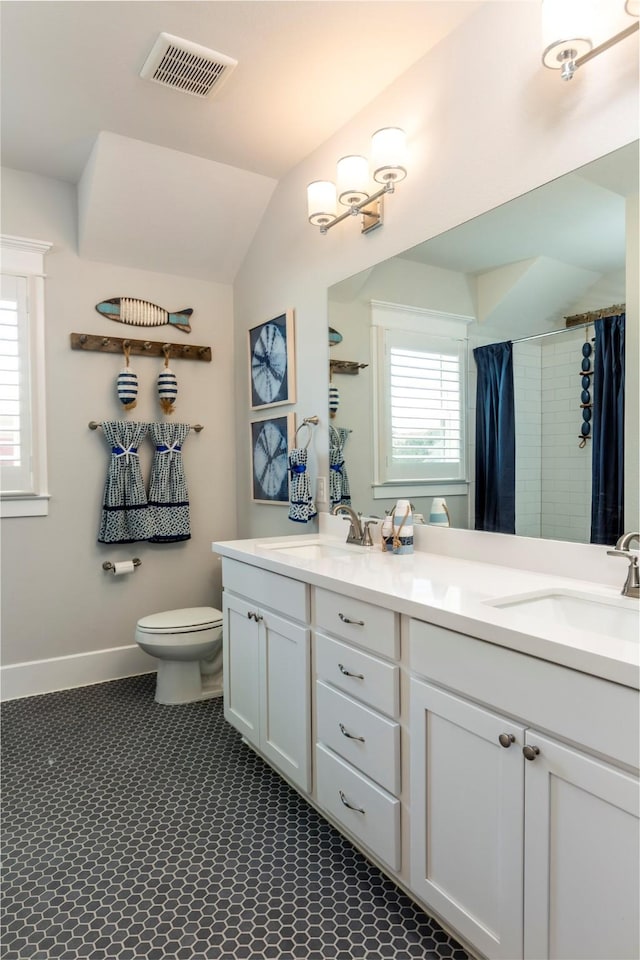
x=513, y=274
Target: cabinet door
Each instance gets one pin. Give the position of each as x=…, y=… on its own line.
x=582, y=854
x=284, y=697
x=241, y=676
x=467, y=818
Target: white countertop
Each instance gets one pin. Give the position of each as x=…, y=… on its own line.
x=449, y=592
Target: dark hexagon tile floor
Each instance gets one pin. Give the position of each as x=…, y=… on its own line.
x=135, y=831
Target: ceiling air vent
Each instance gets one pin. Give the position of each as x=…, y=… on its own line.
x=187, y=66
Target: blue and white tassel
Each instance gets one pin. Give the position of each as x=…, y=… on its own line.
x=167, y=386
x=127, y=383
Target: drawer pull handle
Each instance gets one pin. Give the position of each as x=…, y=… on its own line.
x=252, y=615
x=347, y=673
x=358, y=623
x=350, y=805
x=530, y=753
x=506, y=739
x=351, y=736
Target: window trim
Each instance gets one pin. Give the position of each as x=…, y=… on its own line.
x=24, y=257
x=390, y=317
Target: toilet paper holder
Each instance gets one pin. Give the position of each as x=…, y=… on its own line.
x=107, y=565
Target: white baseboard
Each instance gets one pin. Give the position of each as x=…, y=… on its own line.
x=77, y=670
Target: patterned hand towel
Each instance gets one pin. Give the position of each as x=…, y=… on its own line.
x=168, y=494
x=125, y=513
x=339, y=491
x=302, y=509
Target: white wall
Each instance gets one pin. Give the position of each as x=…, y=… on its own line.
x=56, y=599
x=485, y=123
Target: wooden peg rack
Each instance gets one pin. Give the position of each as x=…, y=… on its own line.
x=149, y=348
x=351, y=367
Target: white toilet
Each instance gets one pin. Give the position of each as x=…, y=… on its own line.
x=188, y=647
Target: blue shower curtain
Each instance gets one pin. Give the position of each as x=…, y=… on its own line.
x=495, y=501
x=607, y=492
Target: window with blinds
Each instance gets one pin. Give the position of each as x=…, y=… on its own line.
x=22, y=417
x=423, y=408
x=15, y=413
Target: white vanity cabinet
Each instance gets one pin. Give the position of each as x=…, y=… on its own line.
x=266, y=644
x=357, y=698
x=502, y=815
x=582, y=849
x=467, y=784
x=496, y=783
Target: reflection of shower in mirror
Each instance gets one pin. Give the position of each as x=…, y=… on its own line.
x=515, y=272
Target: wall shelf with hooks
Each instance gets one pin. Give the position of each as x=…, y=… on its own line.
x=351, y=367
x=149, y=348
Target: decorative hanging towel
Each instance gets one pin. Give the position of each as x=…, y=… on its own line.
x=168, y=495
x=301, y=505
x=343, y=434
x=127, y=383
x=125, y=514
x=339, y=491
x=167, y=386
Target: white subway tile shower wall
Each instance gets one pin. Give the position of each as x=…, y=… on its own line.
x=528, y=407
x=566, y=467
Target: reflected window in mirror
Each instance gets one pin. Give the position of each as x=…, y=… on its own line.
x=420, y=385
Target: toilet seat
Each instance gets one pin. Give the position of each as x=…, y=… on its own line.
x=187, y=620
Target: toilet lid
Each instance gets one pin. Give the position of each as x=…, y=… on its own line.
x=181, y=619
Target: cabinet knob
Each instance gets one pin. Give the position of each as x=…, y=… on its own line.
x=347, y=673
x=530, y=753
x=351, y=736
x=506, y=739
x=350, y=805
x=250, y=615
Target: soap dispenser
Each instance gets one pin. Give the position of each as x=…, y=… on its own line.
x=386, y=531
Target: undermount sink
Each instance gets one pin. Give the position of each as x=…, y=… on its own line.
x=311, y=549
x=617, y=617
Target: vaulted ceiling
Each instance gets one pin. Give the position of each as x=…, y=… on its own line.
x=147, y=157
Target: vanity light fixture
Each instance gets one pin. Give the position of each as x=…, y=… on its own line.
x=352, y=188
x=566, y=51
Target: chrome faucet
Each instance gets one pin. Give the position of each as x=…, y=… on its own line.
x=631, y=586
x=357, y=533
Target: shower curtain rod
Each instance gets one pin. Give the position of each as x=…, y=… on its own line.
x=579, y=321
x=552, y=333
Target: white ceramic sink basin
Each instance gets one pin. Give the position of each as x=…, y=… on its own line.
x=617, y=617
x=312, y=548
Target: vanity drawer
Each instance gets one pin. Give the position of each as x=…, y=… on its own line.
x=266, y=589
x=595, y=713
x=366, y=739
x=376, y=819
x=366, y=624
x=360, y=675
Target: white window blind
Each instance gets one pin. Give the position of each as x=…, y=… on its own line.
x=422, y=407
x=15, y=400
x=22, y=415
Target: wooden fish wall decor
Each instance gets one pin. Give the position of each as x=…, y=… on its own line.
x=141, y=313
